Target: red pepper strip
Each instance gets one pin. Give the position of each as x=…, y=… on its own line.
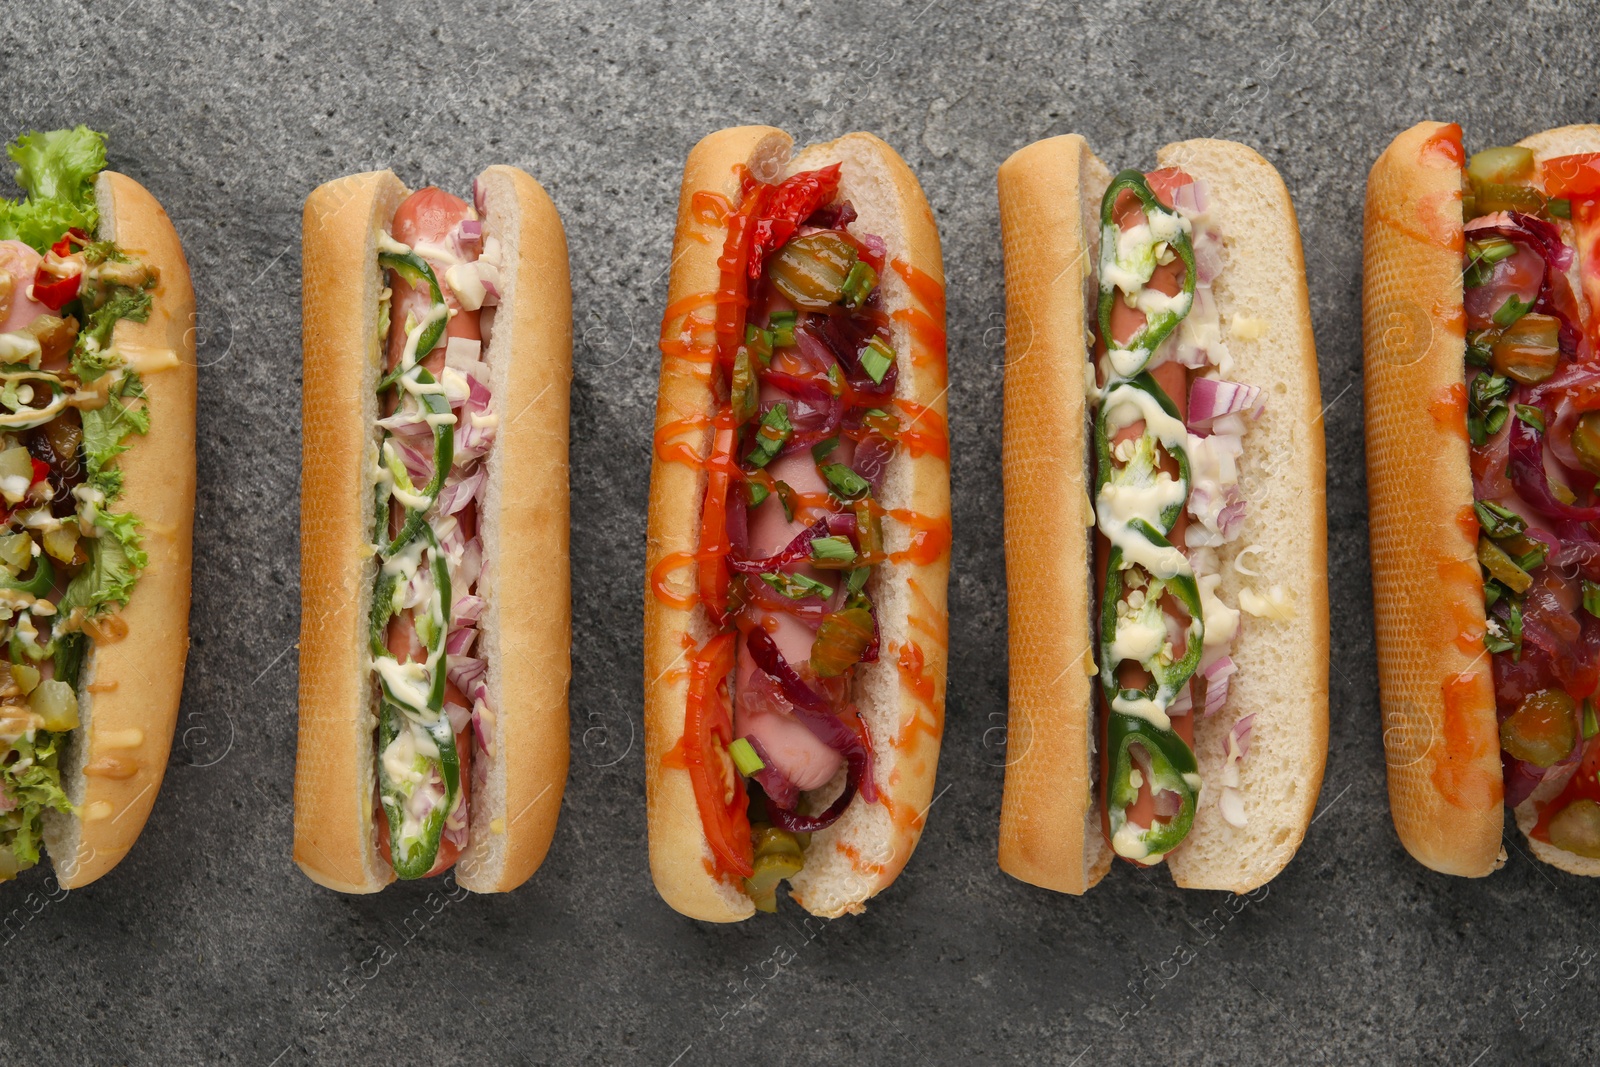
x=733, y=292
x=41, y=471
x=70, y=242
x=53, y=292
x=706, y=724
x=714, y=543
x=793, y=201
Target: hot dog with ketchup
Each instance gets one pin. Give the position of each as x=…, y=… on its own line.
x=437, y=361
x=799, y=529
x=1169, y=673
x=1482, y=339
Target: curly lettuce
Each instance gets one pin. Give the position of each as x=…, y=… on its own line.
x=56, y=169
x=32, y=783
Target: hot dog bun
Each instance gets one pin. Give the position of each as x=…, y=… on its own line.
x=129, y=689
x=1050, y=823
x=1445, y=788
x=901, y=699
x=529, y=355
x=1050, y=225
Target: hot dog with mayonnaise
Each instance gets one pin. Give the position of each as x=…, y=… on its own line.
x=435, y=589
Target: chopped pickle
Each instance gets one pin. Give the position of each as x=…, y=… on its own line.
x=841, y=639
x=811, y=270
x=56, y=704
x=744, y=391
x=1501, y=165
x=16, y=552
x=25, y=677
x=1502, y=567
x=1586, y=441
x=55, y=336
x=1491, y=197
x=1541, y=730
x=777, y=856
x=1529, y=349
x=62, y=543
x=1576, y=829
x=16, y=473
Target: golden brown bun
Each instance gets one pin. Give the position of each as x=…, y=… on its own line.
x=528, y=641
x=1283, y=656
x=1445, y=787
x=1050, y=833
x=527, y=627
x=866, y=849
x=115, y=760
x=335, y=767
x=1050, y=822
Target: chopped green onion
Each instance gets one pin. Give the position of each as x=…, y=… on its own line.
x=846, y=483
x=1531, y=415
x=1512, y=310
x=1502, y=567
x=786, y=497
x=820, y=450
x=1492, y=592
x=1481, y=258
x=1560, y=209
x=833, y=553
x=1533, y=559
x=859, y=283
x=758, y=493
x=876, y=358
x=774, y=431
x=1591, y=725
x=1516, y=629
x=797, y=586
x=1591, y=597
x=745, y=758
x=1497, y=521
x=1479, y=354
x=759, y=342
x=781, y=325
x=858, y=579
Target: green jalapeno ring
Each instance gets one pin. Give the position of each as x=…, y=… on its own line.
x=1167, y=680
x=1155, y=330
x=1172, y=766
x=1102, y=446
x=415, y=270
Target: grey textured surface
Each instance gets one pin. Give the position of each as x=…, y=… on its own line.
x=207, y=945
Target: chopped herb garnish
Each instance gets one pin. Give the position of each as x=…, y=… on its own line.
x=775, y=429
x=846, y=483
x=876, y=359
x=797, y=586
x=1497, y=521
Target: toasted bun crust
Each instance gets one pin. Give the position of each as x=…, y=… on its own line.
x=528, y=624
x=901, y=697
x=129, y=690
x=1440, y=735
x=530, y=359
x=335, y=768
x=1050, y=834
x=1283, y=656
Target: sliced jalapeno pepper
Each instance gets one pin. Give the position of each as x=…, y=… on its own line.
x=444, y=453
x=1169, y=678
x=1141, y=469
x=415, y=270
x=1130, y=357
x=413, y=853
x=1171, y=768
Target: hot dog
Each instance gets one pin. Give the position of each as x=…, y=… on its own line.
x=97, y=478
x=795, y=633
x=1169, y=673
x=1479, y=300
x=436, y=620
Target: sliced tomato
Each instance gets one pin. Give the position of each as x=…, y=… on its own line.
x=1569, y=176
x=707, y=731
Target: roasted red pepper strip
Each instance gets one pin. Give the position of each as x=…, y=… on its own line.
x=793, y=201
x=55, y=292
x=707, y=731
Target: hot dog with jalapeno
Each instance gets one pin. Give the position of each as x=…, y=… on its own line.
x=1169, y=673
x=97, y=406
x=795, y=633
x=435, y=588
x=1480, y=298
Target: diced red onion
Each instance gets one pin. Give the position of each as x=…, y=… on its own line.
x=459, y=642
x=459, y=716
x=1240, y=733
x=470, y=232
x=875, y=246
x=465, y=574
x=418, y=464
x=1216, y=676
x=1230, y=520
x=1183, y=703
x=491, y=292
x=467, y=610
x=464, y=671
x=1212, y=398
x=1191, y=198
x=407, y=424
x=457, y=493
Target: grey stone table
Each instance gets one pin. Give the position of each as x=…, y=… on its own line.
x=207, y=945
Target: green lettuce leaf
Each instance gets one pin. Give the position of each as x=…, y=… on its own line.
x=57, y=170
x=35, y=788
x=92, y=355
x=105, y=428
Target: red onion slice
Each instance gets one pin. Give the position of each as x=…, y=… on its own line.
x=1212, y=398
